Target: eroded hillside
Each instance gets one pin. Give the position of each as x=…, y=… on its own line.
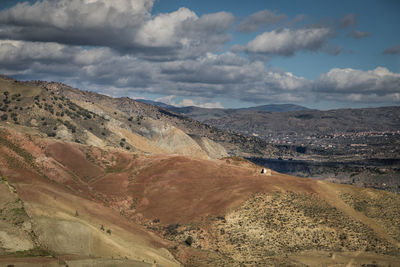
x=44, y=109
x=91, y=180
x=88, y=204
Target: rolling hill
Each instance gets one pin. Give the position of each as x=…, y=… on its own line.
x=311, y=122
x=109, y=183
x=204, y=114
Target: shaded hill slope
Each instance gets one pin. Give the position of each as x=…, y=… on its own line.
x=205, y=114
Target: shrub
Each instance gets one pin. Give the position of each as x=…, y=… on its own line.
x=189, y=241
x=4, y=117
x=172, y=228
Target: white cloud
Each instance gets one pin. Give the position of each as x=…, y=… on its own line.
x=162, y=30
x=198, y=102
x=124, y=25
x=379, y=81
x=287, y=42
x=196, y=81
x=67, y=14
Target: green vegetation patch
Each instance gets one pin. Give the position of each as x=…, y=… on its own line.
x=35, y=252
x=15, y=87
x=20, y=151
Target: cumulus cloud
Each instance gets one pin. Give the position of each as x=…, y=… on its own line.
x=287, y=42
x=213, y=69
x=348, y=84
x=109, y=72
x=125, y=25
x=74, y=65
x=232, y=75
x=160, y=31
x=69, y=14
x=357, y=34
x=78, y=22
x=394, y=50
x=199, y=80
x=198, y=102
x=260, y=19
x=348, y=21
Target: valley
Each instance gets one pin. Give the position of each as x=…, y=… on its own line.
x=351, y=146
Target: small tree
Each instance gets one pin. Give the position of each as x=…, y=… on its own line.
x=189, y=241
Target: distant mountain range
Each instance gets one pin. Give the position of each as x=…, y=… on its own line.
x=309, y=122
x=286, y=119
x=156, y=103
x=204, y=114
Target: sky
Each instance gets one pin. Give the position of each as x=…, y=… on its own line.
x=224, y=54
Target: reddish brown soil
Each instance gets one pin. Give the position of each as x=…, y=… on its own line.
x=109, y=186
x=34, y=186
x=73, y=159
x=174, y=189
x=181, y=189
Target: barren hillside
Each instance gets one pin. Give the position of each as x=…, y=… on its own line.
x=85, y=203
x=101, y=185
